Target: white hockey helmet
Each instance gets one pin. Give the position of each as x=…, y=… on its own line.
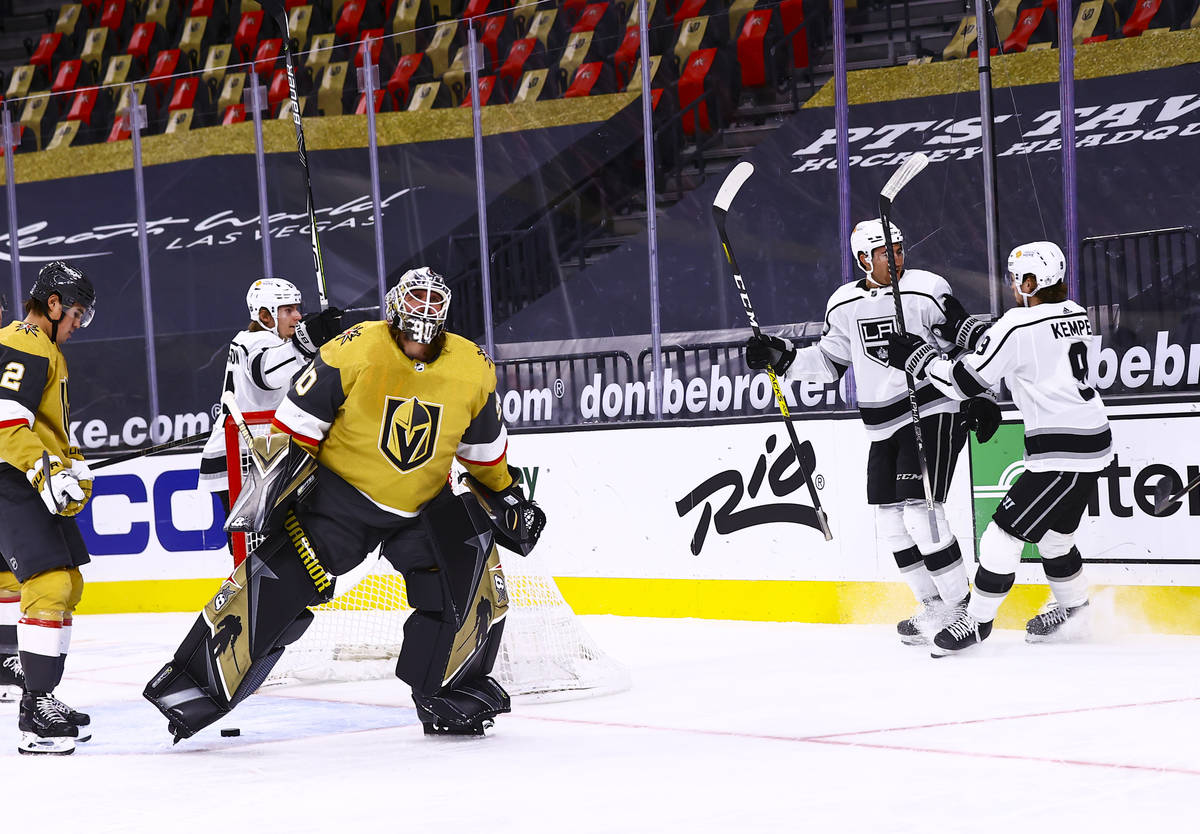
x=867, y=236
x=418, y=304
x=271, y=293
x=1042, y=259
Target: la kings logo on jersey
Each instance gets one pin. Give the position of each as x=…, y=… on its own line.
x=874, y=333
x=408, y=436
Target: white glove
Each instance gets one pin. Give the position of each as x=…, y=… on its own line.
x=82, y=473
x=59, y=489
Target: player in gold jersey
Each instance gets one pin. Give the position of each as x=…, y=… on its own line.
x=44, y=482
x=384, y=409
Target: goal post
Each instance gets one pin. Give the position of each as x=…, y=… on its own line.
x=545, y=651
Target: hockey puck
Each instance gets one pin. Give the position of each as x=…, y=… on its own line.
x=230, y=732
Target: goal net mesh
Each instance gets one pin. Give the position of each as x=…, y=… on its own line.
x=545, y=651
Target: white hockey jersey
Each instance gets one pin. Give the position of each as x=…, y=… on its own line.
x=858, y=319
x=259, y=369
x=1040, y=352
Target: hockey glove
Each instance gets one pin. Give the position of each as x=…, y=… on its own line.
x=765, y=350
x=910, y=353
x=517, y=519
x=58, y=488
x=316, y=329
x=982, y=416
x=80, y=470
x=959, y=328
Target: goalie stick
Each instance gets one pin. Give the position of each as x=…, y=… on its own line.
x=912, y=166
x=805, y=458
x=278, y=10
x=1163, y=497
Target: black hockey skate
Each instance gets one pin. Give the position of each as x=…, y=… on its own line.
x=80, y=720
x=44, y=727
x=1057, y=624
x=963, y=633
x=927, y=620
x=12, y=678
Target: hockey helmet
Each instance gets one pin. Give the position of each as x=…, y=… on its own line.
x=419, y=304
x=69, y=284
x=271, y=293
x=1042, y=259
x=867, y=236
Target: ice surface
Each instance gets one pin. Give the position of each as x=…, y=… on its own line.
x=729, y=726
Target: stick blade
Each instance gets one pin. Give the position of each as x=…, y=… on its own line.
x=733, y=183
x=912, y=166
x=1162, y=494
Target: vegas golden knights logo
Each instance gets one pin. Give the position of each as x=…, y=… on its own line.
x=408, y=436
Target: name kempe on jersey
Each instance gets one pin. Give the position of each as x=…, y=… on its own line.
x=858, y=319
x=391, y=426
x=1041, y=354
x=34, y=411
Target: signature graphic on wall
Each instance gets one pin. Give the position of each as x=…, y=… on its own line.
x=782, y=475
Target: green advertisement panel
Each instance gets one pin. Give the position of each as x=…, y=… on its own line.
x=995, y=467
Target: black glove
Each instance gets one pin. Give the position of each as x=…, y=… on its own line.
x=518, y=520
x=765, y=350
x=908, y=352
x=959, y=328
x=982, y=416
x=316, y=329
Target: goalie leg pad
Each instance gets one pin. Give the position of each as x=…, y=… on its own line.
x=467, y=710
x=241, y=632
x=452, y=570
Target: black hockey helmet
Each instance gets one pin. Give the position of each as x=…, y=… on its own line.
x=69, y=284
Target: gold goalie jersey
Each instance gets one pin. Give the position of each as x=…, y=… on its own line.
x=391, y=426
x=34, y=415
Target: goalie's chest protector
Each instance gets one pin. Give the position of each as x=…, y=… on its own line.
x=395, y=434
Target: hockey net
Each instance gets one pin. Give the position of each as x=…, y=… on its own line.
x=545, y=651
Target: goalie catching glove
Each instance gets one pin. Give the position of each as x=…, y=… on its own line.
x=316, y=329
x=517, y=519
x=57, y=485
x=763, y=351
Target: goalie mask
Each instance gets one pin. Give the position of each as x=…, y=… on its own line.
x=1041, y=259
x=271, y=293
x=419, y=304
x=867, y=236
x=70, y=285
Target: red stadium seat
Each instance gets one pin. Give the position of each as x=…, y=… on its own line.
x=411, y=70
x=166, y=64
x=1027, y=23
x=113, y=15
x=234, y=113
x=1142, y=16
x=49, y=49
x=67, y=76
x=573, y=9
x=525, y=54
x=791, y=13
x=246, y=38
x=184, y=95
x=707, y=78
x=593, y=77
x=491, y=91
x=279, y=91
x=760, y=31
x=267, y=55
x=627, y=55
x=120, y=129
x=498, y=35
x=380, y=97
x=141, y=42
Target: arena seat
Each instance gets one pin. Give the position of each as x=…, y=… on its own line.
x=761, y=68
x=409, y=24
x=581, y=49
x=195, y=37
x=797, y=26
x=592, y=78
x=145, y=42
x=627, y=55
x=245, y=39
x=300, y=26
x=65, y=134
x=382, y=102
x=1096, y=20
x=1036, y=23
x=537, y=85
x=448, y=36
x=707, y=79
x=337, y=90
x=33, y=118
x=215, y=11
x=234, y=113
x=117, y=17
x=355, y=16
x=72, y=23
x=233, y=88
x=446, y=10
x=688, y=9
x=320, y=53
x=525, y=55
x=1148, y=14
x=410, y=71
x=69, y=75
x=118, y=71
x=382, y=52
x=428, y=96
x=697, y=33
x=491, y=91
x=963, y=41
x=216, y=63
x=499, y=32
x=266, y=56
x=604, y=21
x=166, y=14
x=92, y=107
x=51, y=49
x=21, y=82
x=550, y=27
x=661, y=32
x=456, y=78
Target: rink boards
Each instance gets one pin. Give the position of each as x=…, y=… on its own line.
x=712, y=521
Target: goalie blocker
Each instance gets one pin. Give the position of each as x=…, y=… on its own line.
x=453, y=577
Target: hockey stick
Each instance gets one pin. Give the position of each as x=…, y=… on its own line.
x=278, y=10
x=804, y=452
x=151, y=450
x=1163, y=497
x=912, y=166
x=229, y=402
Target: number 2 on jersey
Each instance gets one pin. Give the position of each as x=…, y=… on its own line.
x=11, y=379
x=1077, y=354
